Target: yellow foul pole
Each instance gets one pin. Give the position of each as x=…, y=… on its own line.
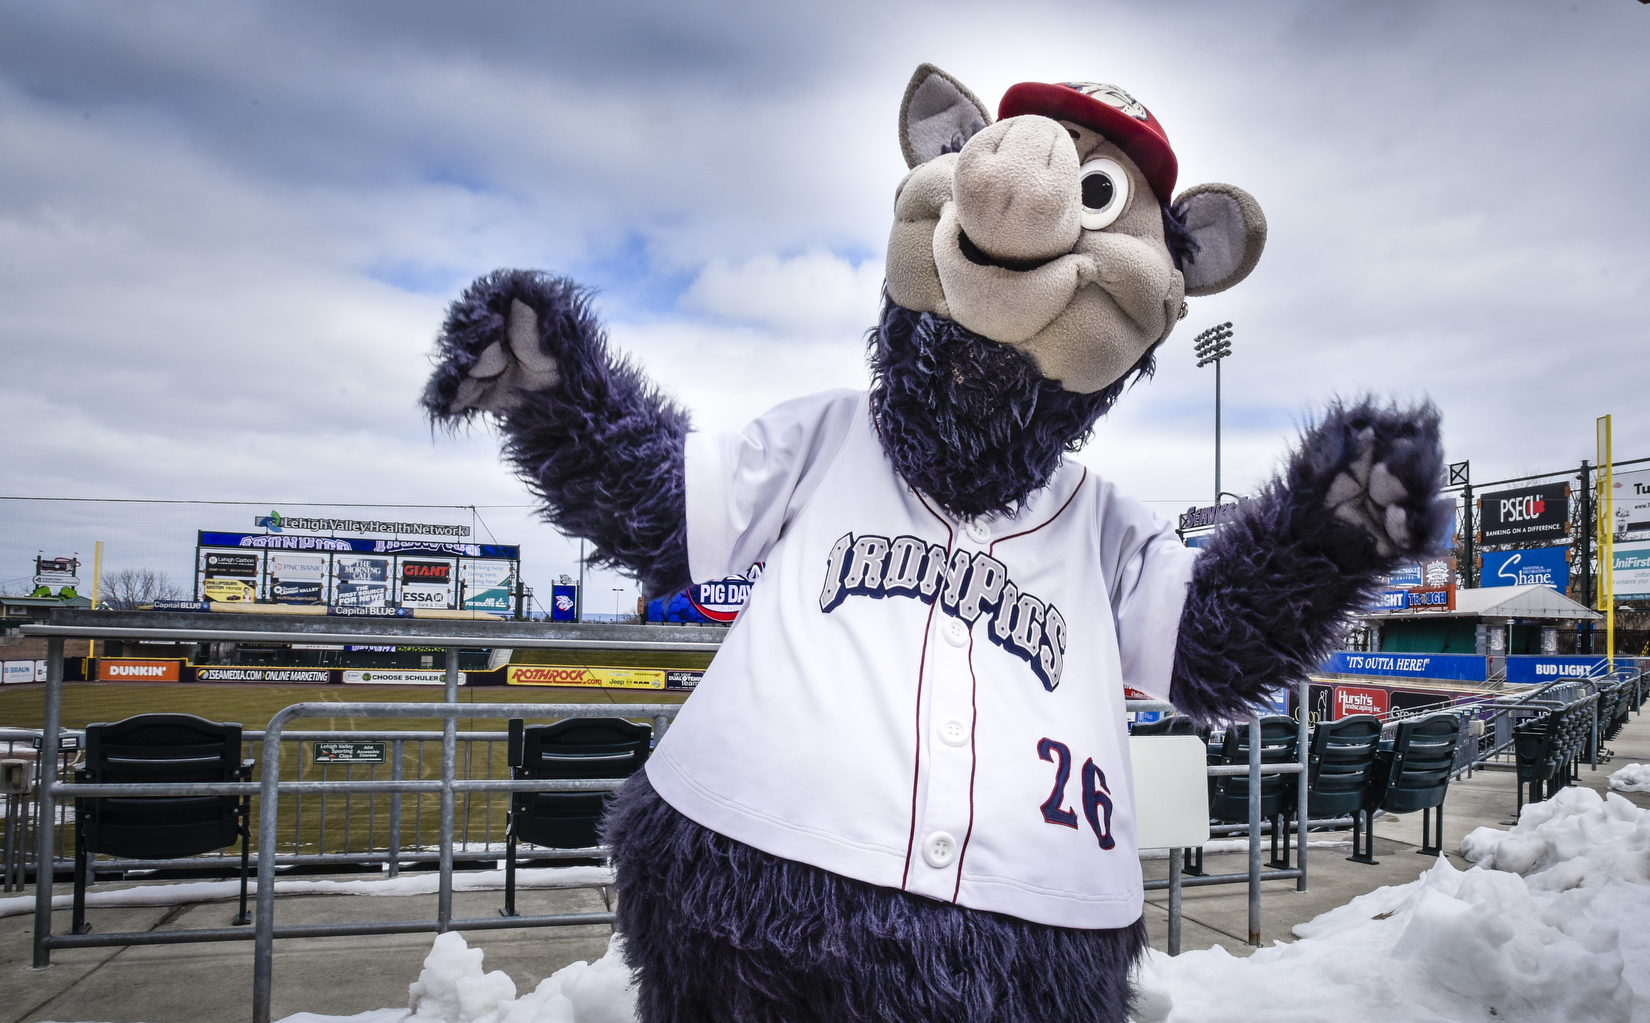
x=1606, y=533
x=97, y=570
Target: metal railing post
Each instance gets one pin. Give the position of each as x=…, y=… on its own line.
x=449, y=768
x=398, y=751
x=45, y=822
x=1174, y=901
x=263, y=952
x=1303, y=746
x=1254, y=828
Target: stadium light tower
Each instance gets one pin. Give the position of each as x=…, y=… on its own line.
x=1214, y=345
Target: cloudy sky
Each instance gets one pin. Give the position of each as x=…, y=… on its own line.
x=228, y=232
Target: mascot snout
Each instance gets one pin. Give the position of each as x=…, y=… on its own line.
x=1019, y=198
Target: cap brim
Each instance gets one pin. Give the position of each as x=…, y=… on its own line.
x=1145, y=142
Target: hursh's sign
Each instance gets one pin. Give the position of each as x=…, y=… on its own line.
x=1533, y=513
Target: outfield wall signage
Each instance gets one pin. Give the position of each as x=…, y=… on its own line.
x=338, y=611
x=1631, y=562
x=1529, y=513
x=1431, y=572
x=233, y=590
x=572, y=675
x=682, y=679
x=1632, y=504
x=219, y=563
x=1451, y=667
x=303, y=675
x=130, y=670
x=398, y=678
x=1523, y=669
x=1351, y=700
x=22, y=671
x=486, y=585
x=1539, y=566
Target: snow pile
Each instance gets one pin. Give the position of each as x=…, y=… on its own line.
x=453, y=988
x=1550, y=924
x=1632, y=778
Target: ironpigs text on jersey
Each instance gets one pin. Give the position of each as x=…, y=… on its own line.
x=970, y=586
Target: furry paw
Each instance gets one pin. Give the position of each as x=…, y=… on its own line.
x=505, y=338
x=1382, y=468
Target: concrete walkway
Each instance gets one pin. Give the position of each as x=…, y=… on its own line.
x=212, y=983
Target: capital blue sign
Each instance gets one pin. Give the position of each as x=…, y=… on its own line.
x=1452, y=667
x=1540, y=566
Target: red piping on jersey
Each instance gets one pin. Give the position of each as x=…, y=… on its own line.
x=916, y=710
x=1074, y=491
x=973, y=761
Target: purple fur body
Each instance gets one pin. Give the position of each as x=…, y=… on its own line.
x=1270, y=595
x=719, y=931
x=602, y=449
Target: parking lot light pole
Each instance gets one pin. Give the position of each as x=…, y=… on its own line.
x=1214, y=345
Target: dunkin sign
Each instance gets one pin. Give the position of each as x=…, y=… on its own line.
x=123, y=670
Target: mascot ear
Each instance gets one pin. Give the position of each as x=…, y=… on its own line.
x=937, y=116
x=1229, y=229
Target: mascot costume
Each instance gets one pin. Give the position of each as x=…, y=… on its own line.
x=902, y=792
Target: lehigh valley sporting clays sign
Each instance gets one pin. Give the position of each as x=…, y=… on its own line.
x=571, y=675
x=349, y=752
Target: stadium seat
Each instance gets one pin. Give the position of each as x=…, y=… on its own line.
x=580, y=748
x=159, y=748
x=1338, y=766
x=1414, y=775
x=1229, y=794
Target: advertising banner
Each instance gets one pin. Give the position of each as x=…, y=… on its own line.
x=572, y=675
x=220, y=564
x=1432, y=598
x=564, y=603
x=1454, y=667
x=1632, y=504
x=124, y=670
x=18, y=671
x=399, y=678
x=229, y=591
x=287, y=542
x=487, y=585
x=1523, y=669
x=1351, y=700
x=422, y=595
x=1431, y=572
x=306, y=675
x=720, y=600
x=362, y=582
x=338, y=611
x=293, y=567
x=1631, y=562
x=56, y=571
x=282, y=591
x=434, y=573
x=1541, y=566
x=676, y=678
x=1529, y=513
x=1390, y=600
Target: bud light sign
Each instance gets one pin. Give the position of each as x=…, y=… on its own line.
x=564, y=603
x=1542, y=566
x=1534, y=513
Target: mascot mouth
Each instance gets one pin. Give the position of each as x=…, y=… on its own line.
x=979, y=257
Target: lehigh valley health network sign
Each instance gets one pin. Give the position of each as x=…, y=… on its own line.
x=275, y=522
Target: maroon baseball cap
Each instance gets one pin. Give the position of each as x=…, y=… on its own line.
x=1108, y=110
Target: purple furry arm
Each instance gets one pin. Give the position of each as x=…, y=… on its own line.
x=1271, y=594
x=602, y=448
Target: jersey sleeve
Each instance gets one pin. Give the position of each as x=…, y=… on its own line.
x=744, y=488
x=1147, y=570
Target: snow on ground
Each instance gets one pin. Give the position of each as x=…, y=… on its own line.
x=1632, y=778
x=415, y=883
x=1552, y=923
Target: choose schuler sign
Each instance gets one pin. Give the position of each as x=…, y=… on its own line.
x=1531, y=513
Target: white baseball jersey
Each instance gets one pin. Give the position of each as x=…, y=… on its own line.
x=914, y=701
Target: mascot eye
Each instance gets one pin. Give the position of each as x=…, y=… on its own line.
x=1105, y=192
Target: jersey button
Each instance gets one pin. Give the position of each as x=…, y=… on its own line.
x=977, y=531
x=955, y=632
x=953, y=732
x=939, y=850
